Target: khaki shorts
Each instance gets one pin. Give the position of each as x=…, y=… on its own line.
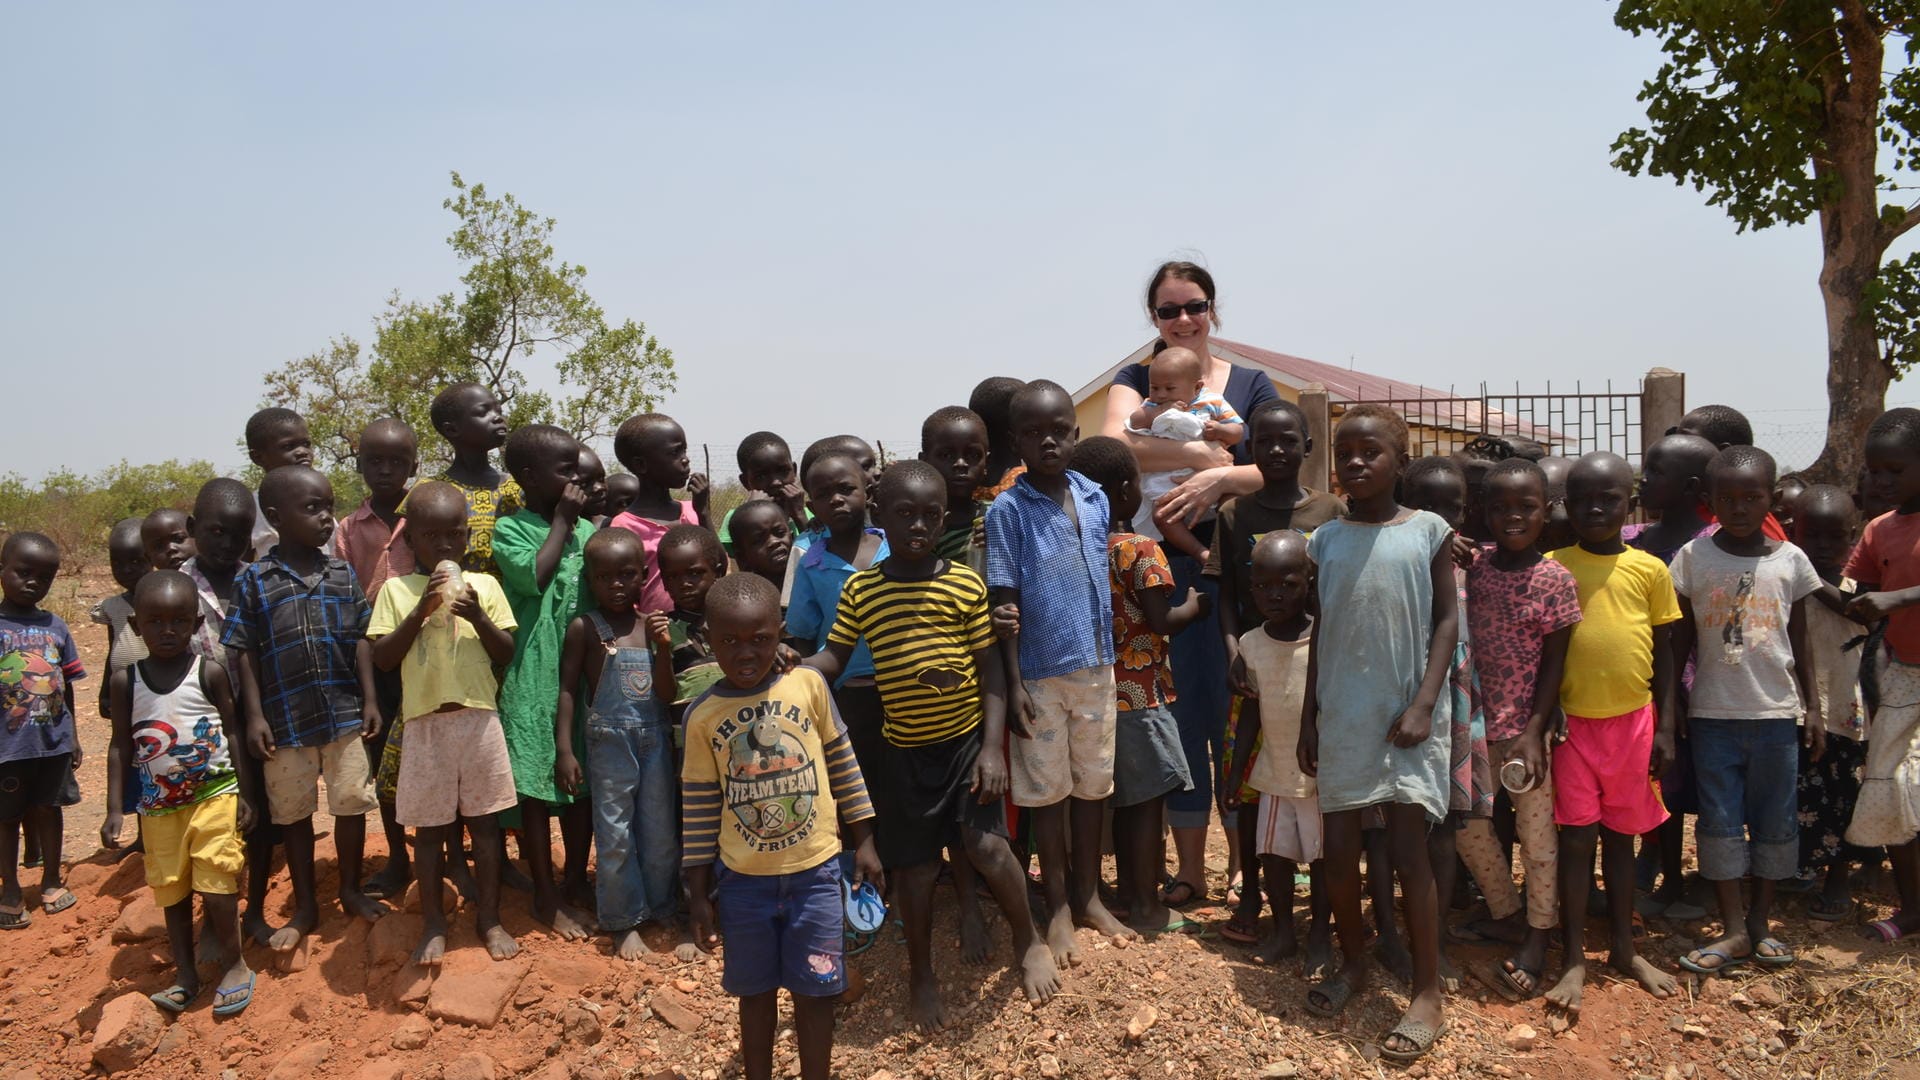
x=195, y=849
x=293, y=773
x=1070, y=752
x=455, y=765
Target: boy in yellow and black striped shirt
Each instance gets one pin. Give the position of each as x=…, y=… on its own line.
x=943, y=758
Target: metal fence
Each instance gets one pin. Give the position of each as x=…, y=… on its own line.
x=1567, y=424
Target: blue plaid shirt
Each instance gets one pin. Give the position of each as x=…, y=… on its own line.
x=1066, y=595
x=304, y=637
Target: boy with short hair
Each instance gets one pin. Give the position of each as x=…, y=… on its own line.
x=992, y=402
x=1148, y=761
x=622, y=489
x=691, y=560
x=623, y=662
x=1617, y=693
x=653, y=447
x=540, y=551
x=1743, y=598
x=769, y=748
x=766, y=471
x=925, y=620
x=127, y=555
x=275, y=438
x=371, y=541
x=176, y=726
x=469, y=417
x=298, y=633
x=38, y=744
x=1047, y=556
x=454, y=766
x=593, y=481
x=165, y=537
x=954, y=441
x=762, y=540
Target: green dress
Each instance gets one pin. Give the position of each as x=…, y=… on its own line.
x=530, y=690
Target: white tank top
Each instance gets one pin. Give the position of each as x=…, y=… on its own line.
x=179, y=744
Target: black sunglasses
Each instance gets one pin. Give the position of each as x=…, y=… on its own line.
x=1172, y=311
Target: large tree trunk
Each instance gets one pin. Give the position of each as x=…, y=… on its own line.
x=1852, y=241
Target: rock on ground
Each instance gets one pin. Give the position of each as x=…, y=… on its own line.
x=302, y=1061
x=472, y=1065
x=129, y=1029
x=474, y=990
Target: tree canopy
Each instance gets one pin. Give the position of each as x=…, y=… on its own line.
x=516, y=301
x=1778, y=110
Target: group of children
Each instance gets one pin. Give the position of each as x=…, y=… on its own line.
x=863, y=676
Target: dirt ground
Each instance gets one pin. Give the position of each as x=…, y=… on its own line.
x=349, y=1005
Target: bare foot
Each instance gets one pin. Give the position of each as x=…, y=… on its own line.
x=256, y=929
x=1066, y=951
x=1097, y=917
x=928, y=1015
x=1393, y=955
x=975, y=944
x=1656, y=982
x=355, y=902
x=1449, y=975
x=1152, y=918
x=433, y=946
x=1567, y=992
x=500, y=944
x=1283, y=944
x=287, y=938
x=627, y=944
x=1039, y=976
x=686, y=952
x=569, y=924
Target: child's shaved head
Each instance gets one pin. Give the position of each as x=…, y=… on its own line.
x=265, y=424
x=163, y=587
x=23, y=545
x=608, y=543
x=220, y=495
x=288, y=482
x=1281, y=550
x=741, y=597
x=437, y=501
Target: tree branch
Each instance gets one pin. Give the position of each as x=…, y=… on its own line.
x=1900, y=228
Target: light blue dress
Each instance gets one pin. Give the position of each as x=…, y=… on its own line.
x=1376, y=623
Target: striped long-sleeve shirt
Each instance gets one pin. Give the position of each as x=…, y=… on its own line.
x=769, y=775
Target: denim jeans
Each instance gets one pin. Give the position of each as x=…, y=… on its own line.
x=1199, y=661
x=1746, y=773
x=634, y=828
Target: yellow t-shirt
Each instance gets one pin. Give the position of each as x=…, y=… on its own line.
x=768, y=776
x=441, y=669
x=1610, y=659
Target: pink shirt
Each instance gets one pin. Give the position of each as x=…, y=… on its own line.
x=375, y=552
x=653, y=595
x=1510, y=614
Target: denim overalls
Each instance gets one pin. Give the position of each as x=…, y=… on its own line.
x=630, y=760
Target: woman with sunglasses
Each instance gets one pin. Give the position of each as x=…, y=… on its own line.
x=1180, y=300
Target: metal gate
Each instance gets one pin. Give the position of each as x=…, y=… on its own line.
x=1567, y=424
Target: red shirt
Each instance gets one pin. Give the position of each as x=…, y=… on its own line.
x=1142, y=677
x=375, y=552
x=1888, y=558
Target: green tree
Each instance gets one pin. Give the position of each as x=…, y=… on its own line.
x=515, y=299
x=1779, y=110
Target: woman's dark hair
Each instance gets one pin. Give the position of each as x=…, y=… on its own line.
x=1185, y=271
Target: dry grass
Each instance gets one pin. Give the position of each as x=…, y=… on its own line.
x=1855, y=1024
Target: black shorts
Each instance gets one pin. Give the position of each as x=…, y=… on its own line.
x=924, y=798
x=32, y=782
x=861, y=714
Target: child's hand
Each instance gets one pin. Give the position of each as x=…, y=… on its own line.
x=243, y=815
x=980, y=531
x=1873, y=606
x=110, y=831
x=1662, y=756
x=468, y=607
x=1815, y=736
x=260, y=739
x=1020, y=712
x=699, y=493
x=1413, y=727
x=1210, y=431
x=1307, y=751
x=1464, y=551
x=990, y=775
x=700, y=916
x=1237, y=676
x=430, y=600
x=866, y=865
x=566, y=771
x=1006, y=621
x=79, y=756
x=1532, y=754
x=369, y=720
x=790, y=498
x=573, y=499
x=1229, y=793
x=785, y=658
x=659, y=629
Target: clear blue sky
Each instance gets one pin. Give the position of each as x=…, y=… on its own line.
x=841, y=217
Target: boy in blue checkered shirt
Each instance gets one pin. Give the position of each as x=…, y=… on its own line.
x=298, y=632
x=1047, y=556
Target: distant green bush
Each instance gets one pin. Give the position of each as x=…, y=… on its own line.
x=77, y=511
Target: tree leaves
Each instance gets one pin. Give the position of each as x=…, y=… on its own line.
x=518, y=304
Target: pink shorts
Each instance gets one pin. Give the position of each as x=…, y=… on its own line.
x=1600, y=774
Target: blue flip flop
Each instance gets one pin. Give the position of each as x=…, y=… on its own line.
x=174, y=999
x=232, y=1007
x=1727, y=961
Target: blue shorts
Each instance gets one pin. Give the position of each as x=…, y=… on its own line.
x=1746, y=773
x=782, y=930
